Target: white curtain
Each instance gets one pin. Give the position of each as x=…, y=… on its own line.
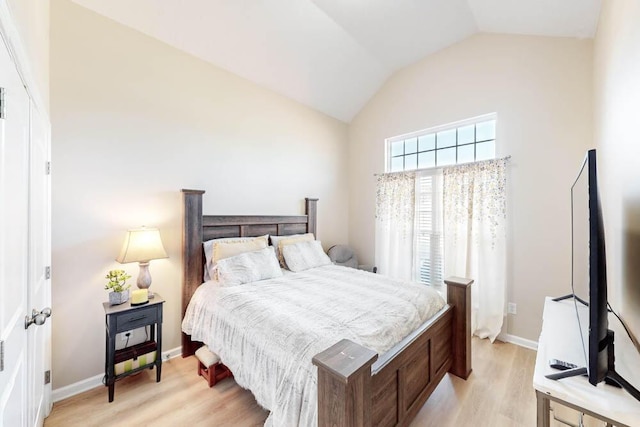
x=475, y=238
x=395, y=213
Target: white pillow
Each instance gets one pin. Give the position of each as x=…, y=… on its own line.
x=209, y=247
x=304, y=255
x=279, y=241
x=248, y=267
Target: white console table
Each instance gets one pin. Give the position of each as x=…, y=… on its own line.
x=560, y=339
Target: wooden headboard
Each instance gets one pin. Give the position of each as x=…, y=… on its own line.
x=198, y=228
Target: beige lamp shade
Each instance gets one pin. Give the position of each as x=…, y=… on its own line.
x=142, y=245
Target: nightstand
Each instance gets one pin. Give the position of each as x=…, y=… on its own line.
x=122, y=318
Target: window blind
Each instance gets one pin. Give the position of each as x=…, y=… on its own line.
x=429, y=243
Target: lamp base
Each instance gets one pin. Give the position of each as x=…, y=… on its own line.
x=144, y=278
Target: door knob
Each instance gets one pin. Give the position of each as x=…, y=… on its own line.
x=37, y=317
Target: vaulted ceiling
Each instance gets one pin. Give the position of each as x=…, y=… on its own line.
x=333, y=55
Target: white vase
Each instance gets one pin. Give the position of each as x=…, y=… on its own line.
x=116, y=298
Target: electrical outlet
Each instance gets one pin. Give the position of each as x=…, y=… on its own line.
x=125, y=335
x=511, y=308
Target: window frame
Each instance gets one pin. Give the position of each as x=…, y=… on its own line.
x=435, y=130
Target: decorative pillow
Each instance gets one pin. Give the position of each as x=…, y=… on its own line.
x=279, y=242
x=304, y=255
x=224, y=250
x=208, y=247
x=248, y=267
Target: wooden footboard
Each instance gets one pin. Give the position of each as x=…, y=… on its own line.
x=356, y=388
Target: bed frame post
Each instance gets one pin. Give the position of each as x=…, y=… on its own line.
x=192, y=261
x=459, y=296
x=344, y=385
x=311, y=210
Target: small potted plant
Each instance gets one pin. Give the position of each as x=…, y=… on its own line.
x=117, y=284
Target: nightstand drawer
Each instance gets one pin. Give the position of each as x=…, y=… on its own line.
x=136, y=318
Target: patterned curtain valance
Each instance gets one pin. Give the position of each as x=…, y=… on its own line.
x=395, y=196
x=477, y=191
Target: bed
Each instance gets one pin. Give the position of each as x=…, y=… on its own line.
x=354, y=385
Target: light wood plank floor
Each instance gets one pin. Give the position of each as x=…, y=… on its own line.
x=498, y=393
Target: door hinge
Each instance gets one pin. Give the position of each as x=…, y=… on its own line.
x=2, y=103
x=47, y=168
x=47, y=272
x=1, y=356
x=47, y=377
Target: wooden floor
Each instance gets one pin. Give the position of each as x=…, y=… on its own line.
x=498, y=393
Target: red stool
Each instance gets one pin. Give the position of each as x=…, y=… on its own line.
x=209, y=366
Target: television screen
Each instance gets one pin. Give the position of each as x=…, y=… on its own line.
x=580, y=246
x=589, y=281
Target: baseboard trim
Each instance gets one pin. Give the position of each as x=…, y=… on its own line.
x=96, y=381
x=170, y=354
x=522, y=342
x=76, y=388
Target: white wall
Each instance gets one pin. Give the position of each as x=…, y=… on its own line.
x=541, y=89
x=134, y=121
x=617, y=108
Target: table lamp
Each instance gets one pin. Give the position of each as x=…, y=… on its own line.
x=142, y=245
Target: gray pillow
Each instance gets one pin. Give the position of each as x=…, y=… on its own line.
x=343, y=255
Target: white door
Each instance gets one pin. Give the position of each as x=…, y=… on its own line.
x=25, y=253
x=39, y=337
x=14, y=244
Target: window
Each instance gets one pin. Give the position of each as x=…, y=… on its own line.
x=461, y=142
x=429, y=246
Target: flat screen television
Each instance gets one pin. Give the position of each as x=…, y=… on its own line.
x=589, y=280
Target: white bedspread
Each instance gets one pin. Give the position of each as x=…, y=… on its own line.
x=267, y=332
